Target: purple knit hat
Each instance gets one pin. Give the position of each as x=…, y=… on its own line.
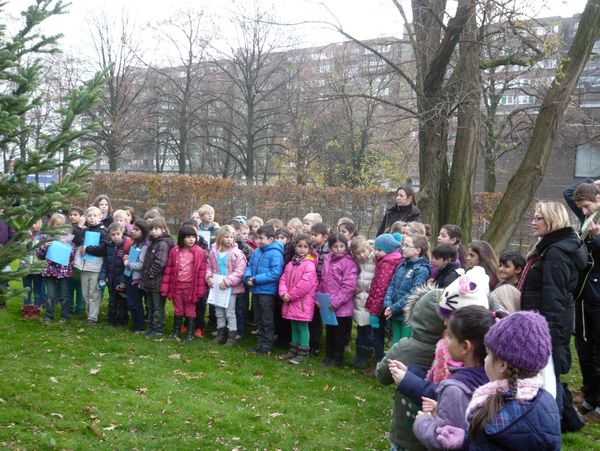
x=522, y=340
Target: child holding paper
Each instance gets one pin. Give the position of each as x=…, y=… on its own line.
x=183, y=281
x=226, y=267
x=134, y=262
x=59, y=269
x=338, y=281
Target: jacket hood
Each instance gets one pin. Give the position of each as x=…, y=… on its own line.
x=164, y=237
x=394, y=258
x=421, y=261
x=421, y=312
x=275, y=246
x=569, y=242
x=472, y=377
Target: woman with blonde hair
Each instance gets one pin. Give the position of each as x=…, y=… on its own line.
x=550, y=278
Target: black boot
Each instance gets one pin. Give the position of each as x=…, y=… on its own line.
x=177, y=321
x=363, y=357
x=190, y=330
x=221, y=337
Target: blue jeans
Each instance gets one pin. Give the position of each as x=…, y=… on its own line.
x=37, y=287
x=135, y=304
x=58, y=293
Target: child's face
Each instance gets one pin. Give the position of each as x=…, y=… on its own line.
x=379, y=253
x=345, y=233
x=92, y=218
x=472, y=259
x=128, y=217
x=508, y=272
x=263, y=241
x=439, y=262
x=120, y=220
x=254, y=227
x=444, y=238
x=455, y=347
x=196, y=217
x=318, y=239
x=494, y=368
x=283, y=239
x=408, y=249
x=338, y=248
x=37, y=225
x=302, y=248
x=207, y=217
x=228, y=241
x=244, y=232
x=116, y=236
x=306, y=225
x=103, y=206
x=155, y=232
x=189, y=241
x=136, y=233
x=74, y=217
x=362, y=254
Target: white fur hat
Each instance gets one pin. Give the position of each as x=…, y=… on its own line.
x=471, y=289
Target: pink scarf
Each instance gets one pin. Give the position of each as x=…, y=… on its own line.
x=527, y=389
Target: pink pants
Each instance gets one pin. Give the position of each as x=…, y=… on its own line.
x=183, y=303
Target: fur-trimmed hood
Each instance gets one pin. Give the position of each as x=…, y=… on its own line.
x=421, y=312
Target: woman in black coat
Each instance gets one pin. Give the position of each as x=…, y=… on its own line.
x=550, y=278
x=404, y=210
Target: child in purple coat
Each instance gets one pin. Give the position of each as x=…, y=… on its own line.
x=338, y=280
x=297, y=289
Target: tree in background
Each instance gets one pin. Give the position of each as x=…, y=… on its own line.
x=22, y=203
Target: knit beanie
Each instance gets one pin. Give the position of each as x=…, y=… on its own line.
x=470, y=289
x=388, y=242
x=522, y=340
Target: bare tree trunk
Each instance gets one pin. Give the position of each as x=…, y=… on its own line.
x=523, y=185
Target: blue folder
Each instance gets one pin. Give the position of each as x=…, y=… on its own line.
x=327, y=315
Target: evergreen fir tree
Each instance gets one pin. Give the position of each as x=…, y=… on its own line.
x=23, y=202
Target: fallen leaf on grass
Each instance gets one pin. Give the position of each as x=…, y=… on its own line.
x=2, y=401
x=53, y=379
x=94, y=371
x=80, y=331
x=258, y=375
x=54, y=414
x=142, y=390
x=94, y=428
x=275, y=414
x=112, y=427
x=175, y=356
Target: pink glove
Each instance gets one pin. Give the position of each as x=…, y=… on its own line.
x=450, y=437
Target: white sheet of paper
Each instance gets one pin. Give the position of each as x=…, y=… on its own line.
x=206, y=235
x=216, y=296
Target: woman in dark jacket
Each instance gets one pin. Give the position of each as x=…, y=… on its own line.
x=550, y=278
x=404, y=210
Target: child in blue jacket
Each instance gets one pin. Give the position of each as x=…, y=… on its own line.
x=262, y=276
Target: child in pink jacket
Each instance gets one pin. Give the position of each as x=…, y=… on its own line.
x=338, y=280
x=225, y=258
x=297, y=289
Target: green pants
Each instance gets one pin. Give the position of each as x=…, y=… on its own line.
x=300, y=335
x=400, y=330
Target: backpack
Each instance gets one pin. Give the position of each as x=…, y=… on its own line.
x=571, y=420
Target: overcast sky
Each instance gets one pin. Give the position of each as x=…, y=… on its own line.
x=362, y=18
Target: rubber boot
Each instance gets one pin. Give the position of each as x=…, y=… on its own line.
x=363, y=357
x=221, y=337
x=292, y=352
x=35, y=311
x=177, y=321
x=190, y=330
x=26, y=311
x=300, y=357
x=231, y=338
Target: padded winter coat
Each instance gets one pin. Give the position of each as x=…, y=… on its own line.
x=155, y=261
x=170, y=279
x=338, y=279
x=360, y=314
x=266, y=266
x=409, y=275
x=408, y=213
x=113, y=266
x=236, y=266
x=549, y=287
x=299, y=282
x=385, y=268
x=98, y=251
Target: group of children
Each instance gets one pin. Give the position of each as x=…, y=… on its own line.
x=462, y=374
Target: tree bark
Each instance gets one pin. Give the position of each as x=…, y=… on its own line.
x=524, y=184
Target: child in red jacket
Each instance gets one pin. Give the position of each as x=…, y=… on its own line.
x=387, y=259
x=184, y=280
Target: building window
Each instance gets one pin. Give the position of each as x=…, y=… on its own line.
x=507, y=100
x=587, y=160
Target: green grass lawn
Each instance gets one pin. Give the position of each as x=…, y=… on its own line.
x=73, y=386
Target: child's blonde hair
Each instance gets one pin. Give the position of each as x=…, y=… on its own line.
x=93, y=209
x=313, y=218
x=506, y=297
x=295, y=225
x=255, y=220
x=205, y=209
x=276, y=223
x=344, y=219
x=397, y=227
x=416, y=228
x=360, y=242
x=223, y=232
x=57, y=219
x=120, y=214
